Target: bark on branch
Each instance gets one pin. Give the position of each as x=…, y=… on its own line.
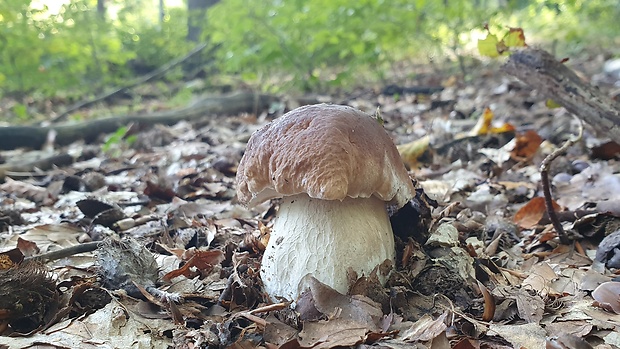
x=34, y=137
x=540, y=70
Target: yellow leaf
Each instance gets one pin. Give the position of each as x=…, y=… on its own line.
x=514, y=38
x=484, y=123
x=411, y=152
x=506, y=127
x=488, y=46
x=550, y=103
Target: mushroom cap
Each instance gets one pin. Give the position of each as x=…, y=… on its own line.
x=328, y=152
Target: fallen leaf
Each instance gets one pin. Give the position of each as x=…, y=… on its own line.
x=520, y=336
x=607, y=296
x=606, y=151
x=526, y=146
x=412, y=151
x=530, y=215
x=28, y=248
x=514, y=38
x=202, y=261
x=425, y=329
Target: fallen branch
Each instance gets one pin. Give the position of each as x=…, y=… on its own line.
x=34, y=137
x=540, y=70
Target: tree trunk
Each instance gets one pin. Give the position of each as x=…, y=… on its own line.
x=162, y=13
x=197, y=16
x=101, y=9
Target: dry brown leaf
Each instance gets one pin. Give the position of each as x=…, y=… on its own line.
x=521, y=336
x=530, y=215
x=489, y=303
x=531, y=307
x=580, y=328
x=598, y=182
x=203, y=261
x=607, y=296
x=539, y=279
x=526, y=146
x=26, y=190
x=425, y=329
x=28, y=248
x=606, y=151
x=568, y=341
x=467, y=343
x=332, y=333
x=278, y=333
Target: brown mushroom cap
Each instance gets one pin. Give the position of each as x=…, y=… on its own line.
x=326, y=151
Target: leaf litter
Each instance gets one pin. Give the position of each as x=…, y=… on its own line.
x=173, y=260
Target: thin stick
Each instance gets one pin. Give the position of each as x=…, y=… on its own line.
x=66, y=252
x=270, y=307
x=545, y=165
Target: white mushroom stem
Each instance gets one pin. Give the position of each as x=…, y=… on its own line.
x=325, y=238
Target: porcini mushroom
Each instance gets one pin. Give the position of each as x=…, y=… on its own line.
x=335, y=169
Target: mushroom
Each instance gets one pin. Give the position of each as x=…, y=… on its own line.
x=335, y=169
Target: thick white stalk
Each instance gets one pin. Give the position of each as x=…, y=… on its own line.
x=325, y=238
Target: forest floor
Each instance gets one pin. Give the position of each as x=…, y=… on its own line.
x=179, y=265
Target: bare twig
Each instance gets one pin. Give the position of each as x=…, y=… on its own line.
x=66, y=252
x=544, y=178
x=270, y=307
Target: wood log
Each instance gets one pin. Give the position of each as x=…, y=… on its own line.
x=553, y=79
x=34, y=137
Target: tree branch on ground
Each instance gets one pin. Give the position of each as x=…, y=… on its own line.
x=540, y=70
x=34, y=137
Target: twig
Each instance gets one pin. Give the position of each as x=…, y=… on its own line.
x=66, y=252
x=270, y=307
x=262, y=323
x=258, y=320
x=545, y=165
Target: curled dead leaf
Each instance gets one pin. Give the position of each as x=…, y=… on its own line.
x=489, y=303
x=530, y=215
x=526, y=146
x=201, y=261
x=607, y=296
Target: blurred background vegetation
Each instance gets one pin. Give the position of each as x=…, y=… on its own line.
x=72, y=48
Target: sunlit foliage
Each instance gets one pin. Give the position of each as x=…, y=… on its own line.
x=273, y=44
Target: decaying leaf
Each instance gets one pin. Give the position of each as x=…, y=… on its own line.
x=425, y=329
x=607, y=296
x=22, y=189
x=526, y=146
x=596, y=183
x=412, y=151
x=530, y=335
x=530, y=215
x=200, y=262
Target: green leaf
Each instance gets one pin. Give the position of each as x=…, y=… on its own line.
x=21, y=111
x=514, y=38
x=488, y=46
